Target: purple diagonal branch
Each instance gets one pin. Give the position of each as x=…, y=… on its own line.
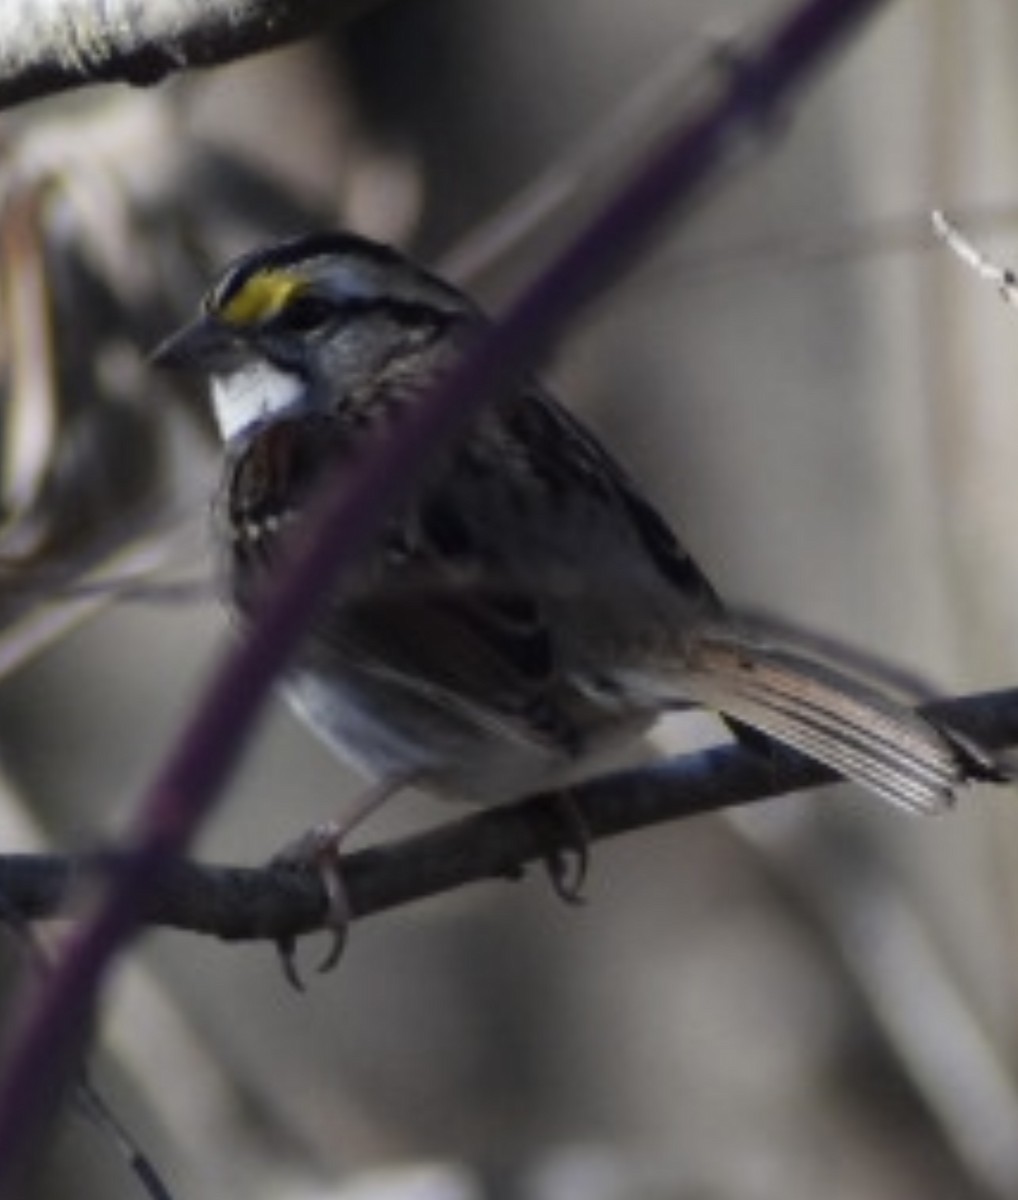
x=707, y=141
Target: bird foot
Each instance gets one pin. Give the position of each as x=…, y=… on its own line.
x=319, y=850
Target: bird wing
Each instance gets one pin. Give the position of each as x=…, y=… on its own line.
x=523, y=556
x=494, y=588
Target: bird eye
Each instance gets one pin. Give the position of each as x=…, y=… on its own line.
x=304, y=314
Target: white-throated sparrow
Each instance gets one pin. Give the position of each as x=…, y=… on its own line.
x=527, y=609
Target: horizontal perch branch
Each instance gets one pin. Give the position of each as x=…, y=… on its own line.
x=238, y=903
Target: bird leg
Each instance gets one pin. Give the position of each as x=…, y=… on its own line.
x=319, y=849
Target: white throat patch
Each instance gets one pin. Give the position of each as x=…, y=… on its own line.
x=252, y=395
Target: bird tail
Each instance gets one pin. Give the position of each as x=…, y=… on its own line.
x=829, y=716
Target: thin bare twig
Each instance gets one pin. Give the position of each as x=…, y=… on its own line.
x=87, y=1097
x=1003, y=278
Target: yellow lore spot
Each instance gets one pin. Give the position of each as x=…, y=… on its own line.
x=260, y=298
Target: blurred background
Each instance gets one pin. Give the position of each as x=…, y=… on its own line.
x=818, y=997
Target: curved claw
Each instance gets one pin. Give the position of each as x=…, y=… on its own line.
x=338, y=922
x=567, y=871
x=567, y=880
x=286, y=951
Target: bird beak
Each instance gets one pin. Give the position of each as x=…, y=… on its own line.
x=203, y=345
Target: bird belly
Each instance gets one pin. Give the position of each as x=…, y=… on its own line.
x=385, y=732
x=357, y=727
